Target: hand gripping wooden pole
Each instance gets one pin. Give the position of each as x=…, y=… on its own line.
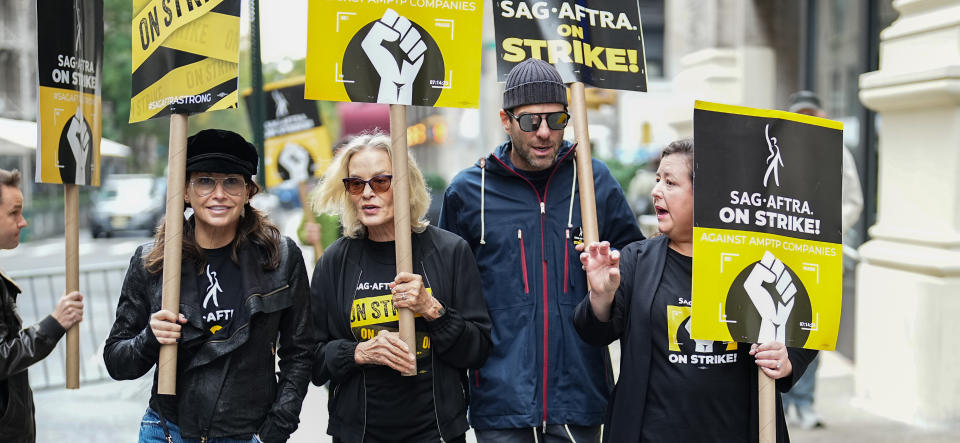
x=309, y=217
x=401, y=216
x=588, y=198
x=172, y=243
x=71, y=232
x=767, y=407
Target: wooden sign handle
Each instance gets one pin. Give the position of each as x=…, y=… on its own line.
x=308, y=217
x=172, y=244
x=401, y=216
x=71, y=232
x=767, y=397
x=588, y=198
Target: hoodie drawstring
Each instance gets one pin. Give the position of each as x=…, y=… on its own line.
x=483, y=185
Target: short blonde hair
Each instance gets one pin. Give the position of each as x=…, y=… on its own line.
x=331, y=197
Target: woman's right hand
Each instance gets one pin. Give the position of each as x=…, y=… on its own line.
x=603, y=274
x=388, y=350
x=165, y=327
x=602, y=267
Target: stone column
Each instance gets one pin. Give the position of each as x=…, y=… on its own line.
x=908, y=292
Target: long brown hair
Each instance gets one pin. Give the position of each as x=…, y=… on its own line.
x=254, y=229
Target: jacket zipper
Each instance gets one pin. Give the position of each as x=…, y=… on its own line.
x=546, y=310
x=523, y=262
x=433, y=386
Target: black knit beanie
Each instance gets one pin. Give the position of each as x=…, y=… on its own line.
x=533, y=81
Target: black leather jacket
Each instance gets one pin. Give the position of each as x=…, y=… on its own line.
x=225, y=388
x=20, y=348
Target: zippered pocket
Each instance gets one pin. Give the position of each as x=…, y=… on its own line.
x=523, y=262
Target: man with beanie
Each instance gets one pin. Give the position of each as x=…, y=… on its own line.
x=22, y=347
x=519, y=209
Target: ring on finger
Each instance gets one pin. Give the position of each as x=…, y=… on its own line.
x=778, y=365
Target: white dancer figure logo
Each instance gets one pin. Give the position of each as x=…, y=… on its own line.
x=396, y=76
x=774, y=161
x=283, y=106
x=213, y=289
x=774, y=308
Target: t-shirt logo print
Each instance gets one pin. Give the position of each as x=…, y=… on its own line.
x=213, y=289
x=774, y=161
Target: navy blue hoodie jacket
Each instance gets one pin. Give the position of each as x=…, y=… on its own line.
x=532, y=281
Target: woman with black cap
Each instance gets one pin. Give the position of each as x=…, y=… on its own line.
x=242, y=286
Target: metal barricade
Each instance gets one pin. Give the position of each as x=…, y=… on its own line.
x=42, y=288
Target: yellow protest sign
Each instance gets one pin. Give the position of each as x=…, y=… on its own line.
x=297, y=145
x=185, y=56
x=767, y=262
x=70, y=61
x=411, y=52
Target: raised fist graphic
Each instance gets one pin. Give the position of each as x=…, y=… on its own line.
x=296, y=160
x=774, y=307
x=396, y=76
x=79, y=138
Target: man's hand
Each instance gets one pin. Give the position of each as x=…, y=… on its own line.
x=388, y=350
x=165, y=327
x=69, y=310
x=774, y=308
x=396, y=77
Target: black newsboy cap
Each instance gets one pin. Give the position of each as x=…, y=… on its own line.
x=218, y=150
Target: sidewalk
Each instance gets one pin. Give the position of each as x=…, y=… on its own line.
x=845, y=422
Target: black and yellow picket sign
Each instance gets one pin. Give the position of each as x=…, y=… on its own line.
x=185, y=56
x=371, y=315
x=409, y=52
x=297, y=144
x=70, y=56
x=596, y=42
x=767, y=262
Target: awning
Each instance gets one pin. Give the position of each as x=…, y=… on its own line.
x=19, y=137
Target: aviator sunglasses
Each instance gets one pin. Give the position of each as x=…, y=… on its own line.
x=206, y=185
x=379, y=184
x=531, y=122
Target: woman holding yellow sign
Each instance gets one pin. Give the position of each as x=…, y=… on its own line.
x=356, y=294
x=673, y=387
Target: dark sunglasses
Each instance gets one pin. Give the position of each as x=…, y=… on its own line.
x=531, y=122
x=206, y=185
x=356, y=185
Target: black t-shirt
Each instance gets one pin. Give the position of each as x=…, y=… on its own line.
x=398, y=408
x=220, y=291
x=699, y=391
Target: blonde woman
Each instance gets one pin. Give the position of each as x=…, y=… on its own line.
x=356, y=292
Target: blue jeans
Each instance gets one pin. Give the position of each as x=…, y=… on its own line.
x=554, y=434
x=151, y=431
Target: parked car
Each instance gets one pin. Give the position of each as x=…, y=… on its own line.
x=128, y=202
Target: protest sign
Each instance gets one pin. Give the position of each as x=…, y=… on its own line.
x=70, y=59
x=409, y=52
x=185, y=57
x=297, y=145
x=596, y=42
x=767, y=261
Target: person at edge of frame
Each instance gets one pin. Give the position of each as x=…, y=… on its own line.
x=243, y=291
x=519, y=210
x=798, y=404
x=673, y=387
x=22, y=347
x=356, y=292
